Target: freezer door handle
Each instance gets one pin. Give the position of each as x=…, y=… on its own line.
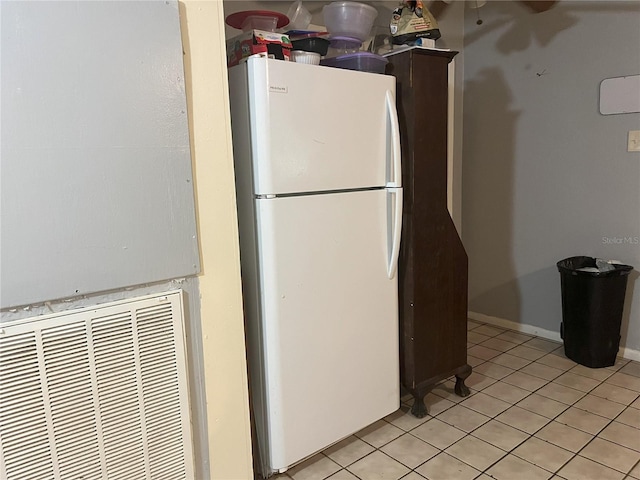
x=395, y=194
x=396, y=154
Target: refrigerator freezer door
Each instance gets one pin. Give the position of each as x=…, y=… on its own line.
x=330, y=318
x=319, y=128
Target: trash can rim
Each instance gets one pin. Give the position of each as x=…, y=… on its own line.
x=585, y=261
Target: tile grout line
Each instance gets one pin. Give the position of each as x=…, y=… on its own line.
x=629, y=472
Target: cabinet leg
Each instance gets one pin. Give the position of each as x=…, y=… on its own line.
x=461, y=389
x=419, y=409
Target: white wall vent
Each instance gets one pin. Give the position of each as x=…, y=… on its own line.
x=97, y=393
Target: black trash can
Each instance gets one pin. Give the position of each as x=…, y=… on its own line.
x=592, y=303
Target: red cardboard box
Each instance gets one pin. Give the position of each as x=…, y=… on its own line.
x=258, y=41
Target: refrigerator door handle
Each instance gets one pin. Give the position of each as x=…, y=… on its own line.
x=396, y=168
x=397, y=230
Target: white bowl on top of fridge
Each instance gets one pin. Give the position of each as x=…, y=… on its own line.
x=300, y=56
x=299, y=16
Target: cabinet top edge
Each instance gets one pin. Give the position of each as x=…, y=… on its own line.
x=448, y=54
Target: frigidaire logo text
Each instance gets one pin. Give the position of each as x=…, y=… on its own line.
x=276, y=89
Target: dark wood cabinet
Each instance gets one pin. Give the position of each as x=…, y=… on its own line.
x=433, y=263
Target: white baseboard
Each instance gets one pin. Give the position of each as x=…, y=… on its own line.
x=624, y=352
x=518, y=327
x=630, y=353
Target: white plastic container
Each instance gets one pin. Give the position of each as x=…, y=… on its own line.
x=300, y=56
x=260, y=22
x=349, y=19
x=299, y=16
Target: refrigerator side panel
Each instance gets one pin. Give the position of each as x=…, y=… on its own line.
x=330, y=319
x=242, y=154
x=319, y=128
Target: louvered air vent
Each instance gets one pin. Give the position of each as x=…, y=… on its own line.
x=97, y=393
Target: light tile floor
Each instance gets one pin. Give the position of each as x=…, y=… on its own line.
x=532, y=414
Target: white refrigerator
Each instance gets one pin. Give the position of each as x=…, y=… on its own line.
x=318, y=180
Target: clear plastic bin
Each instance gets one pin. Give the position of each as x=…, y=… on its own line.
x=259, y=22
x=349, y=19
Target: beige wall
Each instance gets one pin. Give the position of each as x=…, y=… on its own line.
x=220, y=289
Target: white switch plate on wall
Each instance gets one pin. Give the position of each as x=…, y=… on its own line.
x=634, y=141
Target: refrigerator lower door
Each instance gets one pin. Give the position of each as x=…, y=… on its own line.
x=329, y=318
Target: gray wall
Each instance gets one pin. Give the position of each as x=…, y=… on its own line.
x=545, y=175
x=96, y=188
